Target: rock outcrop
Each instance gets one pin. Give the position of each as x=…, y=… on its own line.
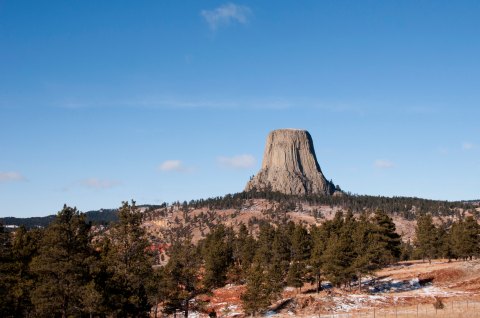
x=290, y=166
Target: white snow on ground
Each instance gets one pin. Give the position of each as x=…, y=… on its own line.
x=348, y=303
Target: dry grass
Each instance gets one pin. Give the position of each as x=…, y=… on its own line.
x=455, y=309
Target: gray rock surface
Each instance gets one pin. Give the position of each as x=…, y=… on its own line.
x=290, y=166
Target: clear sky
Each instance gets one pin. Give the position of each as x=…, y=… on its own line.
x=104, y=101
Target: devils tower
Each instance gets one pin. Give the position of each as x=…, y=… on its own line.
x=290, y=166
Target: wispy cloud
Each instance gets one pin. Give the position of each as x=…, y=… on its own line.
x=162, y=102
x=173, y=165
x=383, y=164
x=95, y=183
x=11, y=176
x=468, y=146
x=226, y=14
x=237, y=162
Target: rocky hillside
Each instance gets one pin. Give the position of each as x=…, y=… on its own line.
x=197, y=218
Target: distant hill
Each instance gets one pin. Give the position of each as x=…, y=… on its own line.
x=102, y=216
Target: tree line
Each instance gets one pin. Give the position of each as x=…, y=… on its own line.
x=73, y=269
x=407, y=207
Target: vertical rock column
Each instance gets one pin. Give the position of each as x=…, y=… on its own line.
x=290, y=166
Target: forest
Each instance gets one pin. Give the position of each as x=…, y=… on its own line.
x=72, y=268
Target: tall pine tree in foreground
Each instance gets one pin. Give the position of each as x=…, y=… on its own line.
x=128, y=264
x=62, y=266
x=426, y=237
x=258, y=294
x=180, y=277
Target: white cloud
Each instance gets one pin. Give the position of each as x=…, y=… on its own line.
x=94, y=183
x=225, y=15
x=468, y=146
x=237, y=162
x=172, y=165
x=11, y=176
x=383, y=164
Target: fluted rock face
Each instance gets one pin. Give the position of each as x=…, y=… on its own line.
x=289, y=165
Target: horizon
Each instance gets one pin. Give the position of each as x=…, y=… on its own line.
x=161, y=102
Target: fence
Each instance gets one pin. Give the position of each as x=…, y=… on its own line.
x=452, y=309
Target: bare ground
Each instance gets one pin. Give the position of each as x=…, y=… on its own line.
x=407, y=289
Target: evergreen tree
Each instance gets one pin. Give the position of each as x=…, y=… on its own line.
x=7, y=279
x=472, y=232
x=217, y=250
x=295, y=275
x=425, y=237
x=365, y=249
x=62, y=266
x=243, y=251
x=385, y=239
x=128, y=265
x=319, y=240
x=266, y=236
x=338, y=258
x=281, y=255
x=180, y=282
x=25, y=248
x=257, y=296
x=301, y=244
x=464, y=238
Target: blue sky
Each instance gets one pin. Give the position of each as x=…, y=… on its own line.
x=104, y=101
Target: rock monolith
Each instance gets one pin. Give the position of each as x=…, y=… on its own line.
x=290, y=166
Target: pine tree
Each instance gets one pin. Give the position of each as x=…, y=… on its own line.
x=385, y=239
x=425, y=237
x=365, y=249
x=25, y=248
x=266, y=236
x=464, y=238
x=319, y=241
x=217, y=250
x=243, y=251
x=257, y=296
x=7, y=277
x=180, y=277
x=338, y=258
x=301, y=244
x=295, y=275
x=62, y=266
x=472, y=239
x=127, y=263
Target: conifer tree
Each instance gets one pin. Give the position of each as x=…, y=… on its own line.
x=425, y=237
x=217, y=252
x=295, y=275
x=257, y=296
x=25, y=248
x=181, y=283
x=7, y=279
x=243, y=251
x=128, y=264
x=62, y=266
x=464, y=238
x=472, y=232
x=266, y=236
x=319, y=241
x=384, y=238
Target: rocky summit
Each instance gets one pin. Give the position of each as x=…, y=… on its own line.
x=290, y=166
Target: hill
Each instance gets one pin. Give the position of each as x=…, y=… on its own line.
x=198, y=217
